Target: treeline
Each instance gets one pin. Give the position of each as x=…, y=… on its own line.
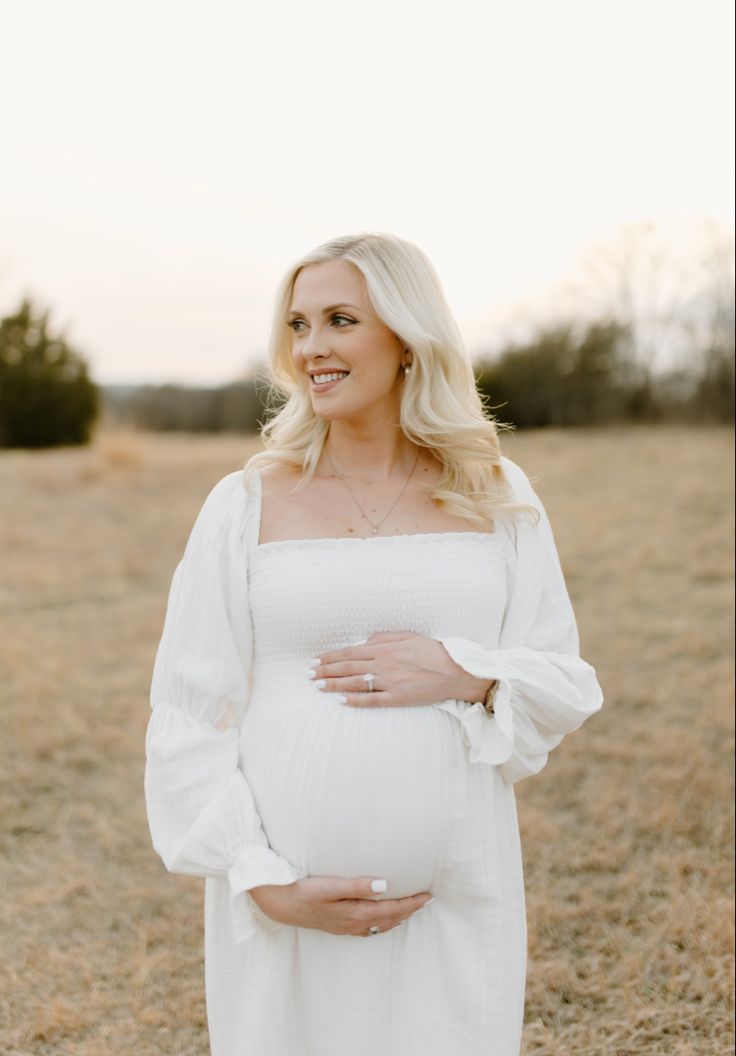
x=236, y=407
x=573, y=375
x=568, y=375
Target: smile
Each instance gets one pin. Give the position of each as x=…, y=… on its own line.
x=325, y=381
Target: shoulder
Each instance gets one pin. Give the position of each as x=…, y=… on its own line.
x=226, y=504
x=519, y=482
x=229, y=491
x=532, y=527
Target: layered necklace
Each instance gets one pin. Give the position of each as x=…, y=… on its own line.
x=374, y=526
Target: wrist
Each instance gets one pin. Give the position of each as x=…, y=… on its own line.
x=275, y=901
x=480, y=691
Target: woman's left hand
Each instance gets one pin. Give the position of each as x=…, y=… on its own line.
x=408, y=669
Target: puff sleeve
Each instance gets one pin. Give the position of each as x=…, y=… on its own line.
x=545, y=689
x=201, y=812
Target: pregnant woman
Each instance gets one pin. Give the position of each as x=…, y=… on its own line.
x=367, y=642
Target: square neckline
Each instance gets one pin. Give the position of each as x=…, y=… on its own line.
x=258, y=517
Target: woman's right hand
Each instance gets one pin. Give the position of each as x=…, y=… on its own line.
x=335, y=904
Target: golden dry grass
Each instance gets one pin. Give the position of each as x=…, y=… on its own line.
x=627, y=833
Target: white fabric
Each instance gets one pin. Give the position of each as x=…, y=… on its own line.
x=255, y=776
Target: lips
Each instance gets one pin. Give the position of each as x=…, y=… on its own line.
x=325, y=380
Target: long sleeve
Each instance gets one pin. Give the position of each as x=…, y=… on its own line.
x=201, y=812
x=545, y=689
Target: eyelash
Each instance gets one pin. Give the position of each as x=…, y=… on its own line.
x=336, y=315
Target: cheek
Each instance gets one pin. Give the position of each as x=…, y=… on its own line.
x=377, y=361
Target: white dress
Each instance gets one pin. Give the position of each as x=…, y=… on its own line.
x=256, y=776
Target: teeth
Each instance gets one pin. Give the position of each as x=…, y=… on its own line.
x=322, y=379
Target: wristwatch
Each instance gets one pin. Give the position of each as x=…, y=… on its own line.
x=490, y=696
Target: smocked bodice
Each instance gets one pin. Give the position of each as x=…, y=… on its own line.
x=309, y=596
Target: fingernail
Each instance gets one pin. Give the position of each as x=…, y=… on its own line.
x=428, y=902
x=379, y=886
x=314, y=663
x=320, y=683
x=339, y=698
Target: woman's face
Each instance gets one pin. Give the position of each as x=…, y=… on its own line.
x=335, y=331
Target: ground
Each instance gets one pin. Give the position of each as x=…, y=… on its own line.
x=627, y=833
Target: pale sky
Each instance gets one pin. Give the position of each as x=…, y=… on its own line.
x=164, y=162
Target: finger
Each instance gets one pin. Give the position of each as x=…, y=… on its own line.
x=392, y=636
x=339, y=656
x=376, y=699
x=342, y=669
x=351, y=683
x=341, y=887
x=362, y=652
x=346, y=684
x=382, y=929
x=408, y=904
x=385, y=910
x=383, y=915
x=417, y=901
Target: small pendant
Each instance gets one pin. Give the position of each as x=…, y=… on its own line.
x=375, y=530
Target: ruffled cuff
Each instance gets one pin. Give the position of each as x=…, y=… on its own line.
x=202, y=814
x=489, y=738
x=255, y=865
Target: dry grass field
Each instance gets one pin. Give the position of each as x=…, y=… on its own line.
x=627, y=833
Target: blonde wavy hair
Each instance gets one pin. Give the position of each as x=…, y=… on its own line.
x=441, y=408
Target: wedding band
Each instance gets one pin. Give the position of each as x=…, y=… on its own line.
x=374, y=930
x=369, y=679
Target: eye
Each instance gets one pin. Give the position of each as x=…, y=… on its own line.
x=295, y=324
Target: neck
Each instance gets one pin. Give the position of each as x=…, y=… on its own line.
x=370, y=455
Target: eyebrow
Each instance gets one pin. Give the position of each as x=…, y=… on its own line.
x=330, y=308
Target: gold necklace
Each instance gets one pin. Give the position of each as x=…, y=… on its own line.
x=363, y=514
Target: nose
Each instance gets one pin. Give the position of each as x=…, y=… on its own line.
x=315, y=344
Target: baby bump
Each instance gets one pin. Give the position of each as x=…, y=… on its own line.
x=348, y=791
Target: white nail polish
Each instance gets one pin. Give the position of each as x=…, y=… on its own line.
x=338, y=698
x=314, y=663
x=379, y=886
x=320, y=683
x=311, y=674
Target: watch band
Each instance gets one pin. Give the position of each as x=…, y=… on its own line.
x=489, y=697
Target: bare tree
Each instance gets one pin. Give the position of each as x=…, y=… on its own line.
x=641, y=281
